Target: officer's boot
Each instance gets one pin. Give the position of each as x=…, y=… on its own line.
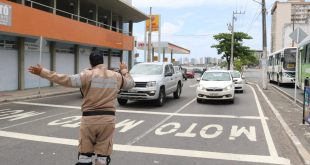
x=84, y=159
x=103, y=160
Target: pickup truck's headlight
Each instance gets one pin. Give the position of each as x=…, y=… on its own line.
x=239, y=82
x=229, y=87
x=151, y=84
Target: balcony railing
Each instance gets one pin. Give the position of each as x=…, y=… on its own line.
x=78, y=17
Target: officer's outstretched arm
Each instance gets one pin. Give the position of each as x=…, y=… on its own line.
x=61, y=79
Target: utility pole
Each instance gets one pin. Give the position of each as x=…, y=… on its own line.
x=264, y=59
x=149, y=45
x=231, y=28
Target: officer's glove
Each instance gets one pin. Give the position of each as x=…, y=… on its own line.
x=35, y=69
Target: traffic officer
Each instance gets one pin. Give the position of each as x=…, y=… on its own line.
x=100, y=87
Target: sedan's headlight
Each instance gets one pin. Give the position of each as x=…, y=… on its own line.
x=151, y=84
x=200, y=87
x=229, y=87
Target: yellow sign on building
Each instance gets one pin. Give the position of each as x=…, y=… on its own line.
x=155, y=23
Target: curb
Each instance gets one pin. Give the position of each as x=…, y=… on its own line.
x=303, y=153
x=35, y=96
x=300, y=103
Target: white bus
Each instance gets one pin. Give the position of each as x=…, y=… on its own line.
x=281, y=66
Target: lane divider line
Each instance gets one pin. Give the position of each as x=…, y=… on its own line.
x=270, y=144
x=298, y=145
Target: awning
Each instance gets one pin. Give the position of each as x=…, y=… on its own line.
x=165, y=47
x=126, y=11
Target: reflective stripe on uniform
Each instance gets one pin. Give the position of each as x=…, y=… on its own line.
x=76, y=80
x=99, y=82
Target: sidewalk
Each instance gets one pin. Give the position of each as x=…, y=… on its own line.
x=285, y=116
x=8, y=96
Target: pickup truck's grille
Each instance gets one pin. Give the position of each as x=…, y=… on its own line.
x=140, y=84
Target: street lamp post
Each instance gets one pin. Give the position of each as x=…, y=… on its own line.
x=231, y=28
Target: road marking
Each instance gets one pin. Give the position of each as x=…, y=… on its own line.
x=35, y=120
x=192, y=86
x=160, y=123
x=270, y=144
x=151, y=113
x=300, y=148
x=157, y=150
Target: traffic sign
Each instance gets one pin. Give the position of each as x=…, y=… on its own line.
x=298, y=35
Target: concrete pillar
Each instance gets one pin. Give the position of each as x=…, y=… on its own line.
x=109, y=58
x=121, y=56
x=117, y=25
x=78, y=9
x=164, y=54
x=130, y=52
x=76, y=58
x=110, y=20
x=54, y=5
x=153, y=54
x=171, y=55
x=21, y=63
x=96, y=15
x=53, y=57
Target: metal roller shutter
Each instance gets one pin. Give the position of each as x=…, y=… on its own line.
x=8, y=70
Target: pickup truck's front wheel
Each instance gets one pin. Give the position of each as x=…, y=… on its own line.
x=161, y=97
x=177, y=93
x=122, y=101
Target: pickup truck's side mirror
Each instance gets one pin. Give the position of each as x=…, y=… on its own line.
x=198, y=79
x=168, y=74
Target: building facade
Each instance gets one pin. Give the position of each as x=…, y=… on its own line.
x=288, y=16
x=60, y=34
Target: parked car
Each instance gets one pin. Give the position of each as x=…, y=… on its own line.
x=190, y=73
x=184, y=70
x=198, y=71
x=154, y=81
x=216, y=85
x=178, y=70
x=238, y=80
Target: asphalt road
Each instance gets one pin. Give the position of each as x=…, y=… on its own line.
x=182, y=132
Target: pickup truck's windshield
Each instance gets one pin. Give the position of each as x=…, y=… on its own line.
x=147, y=69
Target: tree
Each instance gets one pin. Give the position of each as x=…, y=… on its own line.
x=224, y=45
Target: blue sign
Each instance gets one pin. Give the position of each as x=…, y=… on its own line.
x=306, y=113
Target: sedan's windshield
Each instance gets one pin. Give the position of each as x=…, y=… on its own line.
x=147, y=69
x=235, y=74
x=216, y=76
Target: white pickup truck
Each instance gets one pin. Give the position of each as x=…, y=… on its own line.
x=154, y=81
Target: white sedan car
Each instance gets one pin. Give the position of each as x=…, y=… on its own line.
x=238, y=79
x=216, y=85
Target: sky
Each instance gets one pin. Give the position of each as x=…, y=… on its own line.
x=192, y=23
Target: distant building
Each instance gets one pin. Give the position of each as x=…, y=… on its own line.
x=287, y=16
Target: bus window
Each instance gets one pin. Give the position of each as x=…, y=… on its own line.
x=289, y=61
x=278, y=58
